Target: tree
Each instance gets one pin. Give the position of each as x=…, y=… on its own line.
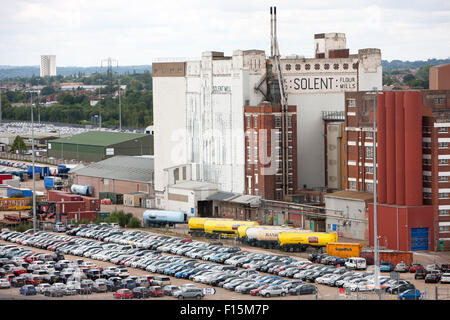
x=18, y=144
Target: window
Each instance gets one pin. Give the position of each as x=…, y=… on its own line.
x=290, y=177
x=297, y=67
x=278, y=178
x=290, y=151
x=426, y=162
x=443, y=179
x=326, y=66
x=355, y=66
x=443, y=145
x=279, y=195
x=427, y=195
x=443, y=195
x=255, y=122
x=277, y=122
x=290, y=164
x=154, y=71
x=369, y=170
x=163, y=70
x=307, y=66
x=317, y=66
x=352, y=185
x=369, y=187
x=443, y=162
x=443, y=130
x=248, y=122
x=289, y=136
x=345, y=66
x=426, y=145
x=443, y=212
x=289, y=121
x=438, y=101
x=426, y=178
x=180, y=70
x=351, y=102
x=444, y=229
x=369, y=134
x=336, y=66
x=288, y=67
x=369, y=152
x=172, y=70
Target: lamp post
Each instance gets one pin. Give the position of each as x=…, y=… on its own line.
x=32, y=156
x=375, y=231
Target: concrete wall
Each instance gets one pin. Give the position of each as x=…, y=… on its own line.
x=351, y=209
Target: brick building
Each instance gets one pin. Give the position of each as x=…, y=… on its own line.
x=264, y=151
x=412, y=165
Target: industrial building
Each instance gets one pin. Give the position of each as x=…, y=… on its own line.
x=200, y=110
x=412, y=164
x=95, y=146
x=119, y=175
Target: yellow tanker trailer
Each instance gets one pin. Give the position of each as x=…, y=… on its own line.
x=197, y=225
x=291, y=241
x=225, y=228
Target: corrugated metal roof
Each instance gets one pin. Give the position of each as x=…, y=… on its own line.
x=126, y=168
x=349, y=194
x=223, y=196
x=253, y=201
x=99, y=138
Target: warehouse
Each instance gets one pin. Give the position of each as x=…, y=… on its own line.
x=119, y=174
x=94, y=146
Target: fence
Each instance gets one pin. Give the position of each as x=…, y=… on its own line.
x=43, y=160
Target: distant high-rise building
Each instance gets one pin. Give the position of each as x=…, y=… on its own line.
x=48, y=65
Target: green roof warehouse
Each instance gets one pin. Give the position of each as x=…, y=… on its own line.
x=93, y=146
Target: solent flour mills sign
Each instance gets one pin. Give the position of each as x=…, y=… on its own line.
x=321, y=84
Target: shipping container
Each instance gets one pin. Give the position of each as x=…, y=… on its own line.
x=5, y=177
x=344, y=250
x=388, y=256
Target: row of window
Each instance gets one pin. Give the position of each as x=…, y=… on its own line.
x=277, y=121
x=442, y=162
x=279, y=165
x=368, y=186
x=171, y=70
x=318, y=66
x=441, y=145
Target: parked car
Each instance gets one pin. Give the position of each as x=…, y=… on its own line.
x=433, y=276
x=415, y=266
x=5, y=284
x=156, y=291
x=28, y=290
x=170, y=289
x=445, y=278
x=401, y=288
x=189, y=292
x=123, y=294
x=411, y=294
x=273, y=291
x=141, y=292
x=303, y=289
x=445, y=267
x=401, y=267
x=387, y=266
x=420, y=274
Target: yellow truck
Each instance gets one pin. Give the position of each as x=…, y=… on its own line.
x=344, y=250
x=296, y=241
x=197, y=225
x=225, y=228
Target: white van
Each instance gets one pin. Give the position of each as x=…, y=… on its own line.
x=356, y=263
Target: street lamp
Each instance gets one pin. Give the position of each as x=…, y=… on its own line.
x=32, y=156
x=375, y=231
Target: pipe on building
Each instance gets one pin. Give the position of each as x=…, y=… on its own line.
x=399, y=149
x=413, y=149
x=390, y=147
x=381, y=148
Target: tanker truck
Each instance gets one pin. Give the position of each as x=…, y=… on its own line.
x=296, y=242
x=162, y=218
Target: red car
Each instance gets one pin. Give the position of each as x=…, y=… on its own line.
x=19, y=270
x=415, y=266
x=156, y=291
x=255, y=292
x=123, y=294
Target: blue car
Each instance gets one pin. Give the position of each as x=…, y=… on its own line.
x=387, y=267
x=411, y=294
x=28, y=290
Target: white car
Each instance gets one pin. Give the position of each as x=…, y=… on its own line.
x=356, y=263
x=445, y=278
x=4, y=283
x=42, y=287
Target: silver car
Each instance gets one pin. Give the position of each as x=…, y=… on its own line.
x=273, y=291
x=189, y=292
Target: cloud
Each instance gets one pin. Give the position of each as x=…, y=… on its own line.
x=83, y=32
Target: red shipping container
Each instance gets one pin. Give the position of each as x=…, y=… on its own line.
x=5, y=177
x=82, y=215
x=91, y=204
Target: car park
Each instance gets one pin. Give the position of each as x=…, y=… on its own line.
x=273, y=291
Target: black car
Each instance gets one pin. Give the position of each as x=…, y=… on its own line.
x=303, y=289
x=18, y=282
x=420, y=274
x=141, y=292
x=433, y=277
x=444, y=268
x=93, y=274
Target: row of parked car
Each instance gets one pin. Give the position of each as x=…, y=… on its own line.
x=13, y=164
x=52, y=275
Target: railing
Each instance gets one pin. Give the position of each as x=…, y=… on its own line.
x=29, y=158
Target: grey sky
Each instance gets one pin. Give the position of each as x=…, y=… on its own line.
x=83, y=32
